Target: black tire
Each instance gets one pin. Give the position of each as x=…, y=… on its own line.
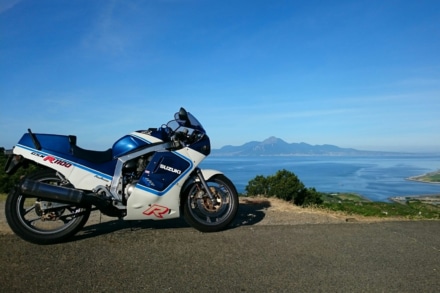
x=28, y=219
x=200, y=213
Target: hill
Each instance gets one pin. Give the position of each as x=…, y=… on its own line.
x=274, y=146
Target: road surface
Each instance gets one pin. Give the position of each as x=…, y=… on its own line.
x=400, y=256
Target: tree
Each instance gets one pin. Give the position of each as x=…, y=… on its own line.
x=309, y=196
x=258, y=186
x=284, y=185
x=8, y=181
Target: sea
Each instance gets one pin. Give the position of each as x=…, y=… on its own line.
x=377, y=178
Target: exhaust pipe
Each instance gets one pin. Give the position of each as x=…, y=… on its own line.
x=68, y=196
x=52, y=192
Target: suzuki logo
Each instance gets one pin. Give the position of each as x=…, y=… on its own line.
x=156, y=210
x=171, y=169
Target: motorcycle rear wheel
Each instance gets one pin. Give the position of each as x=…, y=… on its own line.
x=207, y=216
x=43, y=222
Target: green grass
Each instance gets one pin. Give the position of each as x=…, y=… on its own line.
x=433, y=178
x=353, y=204
x=3, y=196
x=342, y=197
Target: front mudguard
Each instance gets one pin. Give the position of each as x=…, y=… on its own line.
x=209, y=173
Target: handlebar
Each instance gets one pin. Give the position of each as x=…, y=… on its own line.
x=184, y=138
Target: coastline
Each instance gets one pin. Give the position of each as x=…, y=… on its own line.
x=425, y=199
x=431, y=177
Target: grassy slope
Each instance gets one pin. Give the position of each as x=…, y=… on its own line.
x=412, y=208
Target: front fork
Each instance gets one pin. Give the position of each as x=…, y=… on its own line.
x=204, y=184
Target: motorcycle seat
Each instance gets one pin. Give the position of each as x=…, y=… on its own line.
x=97, y=157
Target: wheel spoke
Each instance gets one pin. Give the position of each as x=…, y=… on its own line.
x=26, y=211
x=208, y=219
x=32, y=221
x=69, y=217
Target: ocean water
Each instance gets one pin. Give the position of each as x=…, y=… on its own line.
x=377, y=178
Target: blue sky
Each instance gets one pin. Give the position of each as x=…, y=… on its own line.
x=362, y=74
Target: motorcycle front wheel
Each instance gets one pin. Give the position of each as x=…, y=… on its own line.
x=40, y=221
x=208, y=215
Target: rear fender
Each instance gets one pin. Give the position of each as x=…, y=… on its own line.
x=14, y=162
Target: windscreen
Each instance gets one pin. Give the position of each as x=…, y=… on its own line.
x=191, y=122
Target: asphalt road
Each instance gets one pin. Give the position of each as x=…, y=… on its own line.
x=113, y=257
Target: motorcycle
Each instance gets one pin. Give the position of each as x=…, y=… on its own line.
x=148, y=174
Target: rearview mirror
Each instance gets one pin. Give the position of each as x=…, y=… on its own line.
x=183, y=115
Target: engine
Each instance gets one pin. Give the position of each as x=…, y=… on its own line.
x=131, y=173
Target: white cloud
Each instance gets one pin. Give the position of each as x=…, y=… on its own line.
x=118, y=30
x=8, y=4
x=418, y=81
x=105, y=35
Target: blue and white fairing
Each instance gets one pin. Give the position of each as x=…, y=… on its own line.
x=157, y=193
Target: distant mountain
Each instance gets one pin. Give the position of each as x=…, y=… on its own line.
x=274, y=146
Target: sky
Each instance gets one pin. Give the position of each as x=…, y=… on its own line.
x=360, y=74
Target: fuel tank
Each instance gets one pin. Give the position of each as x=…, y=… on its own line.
x=127, y=144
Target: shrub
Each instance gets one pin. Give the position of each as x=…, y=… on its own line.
x=8, y=181
x=258, y=186
x=284, y=185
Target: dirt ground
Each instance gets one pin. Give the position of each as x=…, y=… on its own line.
x=280, y=212
x=252, y=211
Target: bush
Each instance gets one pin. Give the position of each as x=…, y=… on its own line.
x=284, y=185
x=8, y=181
x=309, y=197
x=258, y=186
